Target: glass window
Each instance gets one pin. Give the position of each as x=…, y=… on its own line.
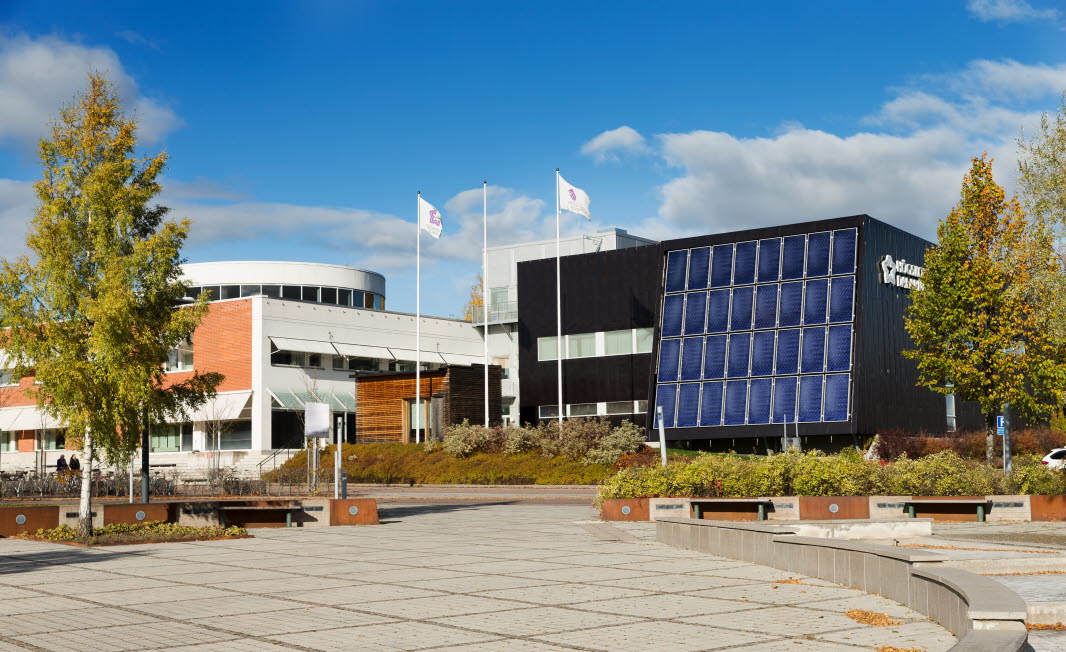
x=165, y=438
x=329, y=295
x=769, y=259
x=740, y=315
x=291, y=292
x=722, y=266
x=620, y=407
x=180, y=358
x=692, y=358
x=250, y=290
x=814, y=301
x=818, y=254
x=717, y=311
x=688, y=405
x=787, y=361
x=644, y=337
x=711, y=405
x=314, y=360
x=836, y=397
x=669, y=350
x=785, y=400
x=810, y=399
x=186, y=436
x=642, y=407
x=791, y=304
x=8, y=443
x=548, y=411
x=237, y=436
x=52, y=440
x=309, y=293
x=581, y=346
x=673, y=311
x=379, y=302
x=699, y=260
x=714, y=357
x=287, y=358
x=695, y=303
x=844, y=251
x=744, y=265
x=583, y=410
x=841, y=297
x=192, y=292
x=547, y=348
x=792, y=257
x=357, y=298
x=838, y=351
x=665, y=398
x=676, y=265
x=759, y=390
x=765, y=306
x=344, y=297
x=739, y=352
x=813, y=350
x=618, y=342
x=214, y=292
x=8, y=379
x=231, y=291
x=736, y=402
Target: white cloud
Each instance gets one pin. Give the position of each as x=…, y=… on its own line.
x=1008, y=11
x=37, y=76
x=613, y=143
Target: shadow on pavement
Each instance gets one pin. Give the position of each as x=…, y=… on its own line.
x=25, y=562
x=392, y=513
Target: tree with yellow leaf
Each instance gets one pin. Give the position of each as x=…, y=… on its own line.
x=977, y=323
x=473, y=311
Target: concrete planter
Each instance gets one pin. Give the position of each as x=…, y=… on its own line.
x=625, y=509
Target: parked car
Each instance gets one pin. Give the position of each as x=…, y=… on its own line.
x=1056, y=459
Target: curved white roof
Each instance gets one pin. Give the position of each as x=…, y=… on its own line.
x=256, y=272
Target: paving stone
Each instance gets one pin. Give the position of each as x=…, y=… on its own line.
x=658, y=635
x=382, y=638
x=783, y=594
x=126, y=637
x=555, y=594
x=534, y=621
x=438, y=606
x=786, y=620
x=927, y=635
x=676, y=583
x=660, y=605
x=292, y=620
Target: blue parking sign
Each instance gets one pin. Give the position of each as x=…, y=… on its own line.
x=1001, y=428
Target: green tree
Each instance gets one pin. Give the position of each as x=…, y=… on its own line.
x=92, y=311
x=977, y=322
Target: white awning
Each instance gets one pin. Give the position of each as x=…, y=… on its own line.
x=410, y=355
x=309, y=346
x=462, y=358
x=8, y=416
x=363, y=351
x=226, y=406
x=26, y=418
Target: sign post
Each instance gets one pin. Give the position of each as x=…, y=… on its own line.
x=316, y=426
x=662, y=433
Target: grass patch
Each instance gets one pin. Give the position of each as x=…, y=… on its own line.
x=147, y=532
x=427, y=464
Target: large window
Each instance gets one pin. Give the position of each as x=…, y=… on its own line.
x=296, y=359
x=51, y=440
x=588, y=345
x=170, y=437
x=8, y=441
x=329, y=295
x=344, y=363
x=8, y=378
x=618, y=342
x=180, y=358
x=581, y=346
x=606, y=408
x=237, y=436
x=548, y=348
x=783, y=308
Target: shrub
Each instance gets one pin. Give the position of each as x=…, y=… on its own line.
x=464, y=440
x=894, y=443
x=623, y=440
x=519, y=440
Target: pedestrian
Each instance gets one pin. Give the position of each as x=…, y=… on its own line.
x=75, y=465
x=61, y=465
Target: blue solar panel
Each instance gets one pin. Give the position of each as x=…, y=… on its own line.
x=792, y=257
x=668, y=356
x=744, y=265
x=676, y=264
x=759, y=400
x=784, y=400
x=721, y=265
x=714, y=357
x=818, y=254
x=814, y=301
x=765, y=306
x=698, y=262
x=838, y=351
x=841, y=297
x=717, y=311
x=813, y=350
x=692, y=358
x=836, y=397
x=736, y=399
x=769, y=259
x=739, y=348
x=740, y=317
x=665, y=398
x=711, y=405
x=844, y=251
x=695, y=304
x=688, y=405
x=787, y=352
x=791, y=304
x=762, y=353
x=810, y=399
x=673, y=307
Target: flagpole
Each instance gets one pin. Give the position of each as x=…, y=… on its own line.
x=418, y=319
x=558, y=305
x=485, y=285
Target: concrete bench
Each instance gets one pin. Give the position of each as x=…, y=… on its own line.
x=288, y=509
x=980, y=504
x=761, y=504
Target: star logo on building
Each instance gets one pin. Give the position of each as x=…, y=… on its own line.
x=888, y=270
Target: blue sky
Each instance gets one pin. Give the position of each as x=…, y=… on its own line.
x=301, y=130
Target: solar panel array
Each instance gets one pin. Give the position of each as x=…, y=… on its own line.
x=758, y=332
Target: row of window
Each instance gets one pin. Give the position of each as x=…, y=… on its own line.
x=756, y=401
x=165, y=438
x=811, y=350
x=774, y=305
x=44, y=440
x=317, y=294
x=608, y=408
x=306, y=360
x=595, y=345
x=772, y=259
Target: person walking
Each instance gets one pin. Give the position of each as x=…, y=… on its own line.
x=61, y=465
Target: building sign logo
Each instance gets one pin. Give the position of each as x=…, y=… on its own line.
x=901, y=273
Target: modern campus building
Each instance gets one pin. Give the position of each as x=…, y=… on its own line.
x=735, y=335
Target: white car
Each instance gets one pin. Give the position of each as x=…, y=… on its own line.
x=1056, y=459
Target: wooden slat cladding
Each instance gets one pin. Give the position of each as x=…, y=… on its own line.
x=382, y=398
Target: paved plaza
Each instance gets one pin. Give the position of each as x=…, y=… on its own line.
x=476, y=577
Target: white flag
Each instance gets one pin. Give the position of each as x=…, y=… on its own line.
x=429, y=218
x=573, y=199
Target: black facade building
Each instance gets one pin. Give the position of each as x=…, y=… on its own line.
x=800, y=324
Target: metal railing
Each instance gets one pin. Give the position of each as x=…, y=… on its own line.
x=506, y=311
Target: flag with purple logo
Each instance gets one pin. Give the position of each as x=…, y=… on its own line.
x=573, y=199
x=429, y=218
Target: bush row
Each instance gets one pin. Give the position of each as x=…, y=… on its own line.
x=846, y=474
x=592, y=441
x=971, y=445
